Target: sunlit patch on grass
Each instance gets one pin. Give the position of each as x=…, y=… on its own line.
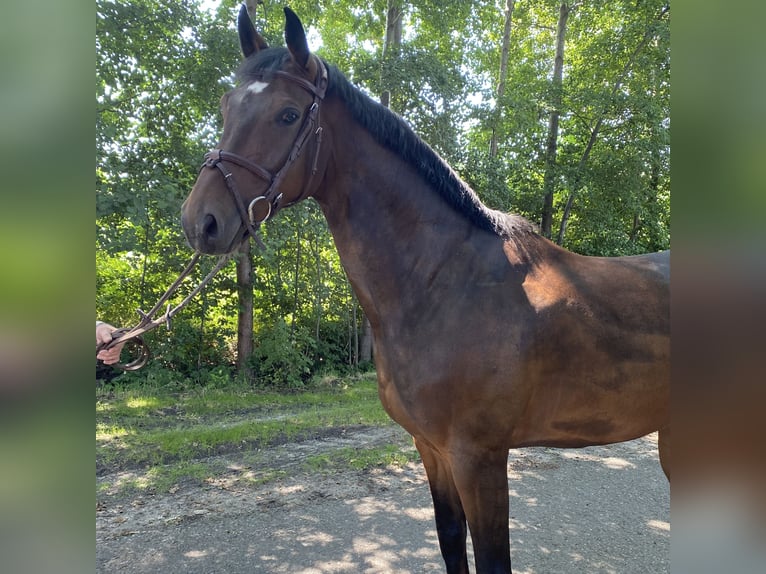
x=362, y=459
x=142, y=402
x=105, y=432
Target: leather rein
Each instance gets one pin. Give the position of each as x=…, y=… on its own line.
x=217, y=159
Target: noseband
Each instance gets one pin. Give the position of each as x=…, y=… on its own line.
x=217, y=158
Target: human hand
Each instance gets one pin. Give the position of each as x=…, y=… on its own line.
x=103, y=336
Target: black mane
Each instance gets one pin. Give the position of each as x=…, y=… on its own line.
x=392, y=132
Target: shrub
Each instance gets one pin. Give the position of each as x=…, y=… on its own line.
x=281, y=358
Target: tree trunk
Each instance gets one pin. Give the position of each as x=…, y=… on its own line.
x=353, y=343
x=392, y=43
x=296, y=278
x=318, y=297
x=549, y=179
x=503, y=75
x=576, y=183
x=201, y=341
x=144, y=263
x=393, y=40
x=245, y=315
x=365, y=348
x=635, y=228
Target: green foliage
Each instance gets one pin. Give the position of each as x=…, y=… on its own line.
x=362, y=459
x=162, y=66
x=616, y=69
x=281, y=358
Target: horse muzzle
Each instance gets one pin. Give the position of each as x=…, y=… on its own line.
x=210, y=231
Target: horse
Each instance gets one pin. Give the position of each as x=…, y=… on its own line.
x=487, y=336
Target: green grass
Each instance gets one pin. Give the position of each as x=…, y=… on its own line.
x=362, y=459
x=159, y=438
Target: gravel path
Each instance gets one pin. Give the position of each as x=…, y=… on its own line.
x=593, y=510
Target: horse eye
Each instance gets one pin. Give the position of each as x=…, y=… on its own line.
x=289, y=116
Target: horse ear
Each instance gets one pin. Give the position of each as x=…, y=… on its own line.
x=296, y=38
x=249, y=40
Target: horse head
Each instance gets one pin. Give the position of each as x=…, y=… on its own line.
x=270, y=150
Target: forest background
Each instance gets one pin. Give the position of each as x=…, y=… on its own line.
x=556, y=111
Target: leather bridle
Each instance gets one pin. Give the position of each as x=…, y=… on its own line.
x=218, y=158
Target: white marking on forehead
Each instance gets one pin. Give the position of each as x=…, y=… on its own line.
x=257, y=87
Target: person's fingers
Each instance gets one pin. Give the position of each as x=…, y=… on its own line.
x=103, y=333
x=110, y=356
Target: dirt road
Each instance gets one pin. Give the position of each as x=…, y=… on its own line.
x=594, y=510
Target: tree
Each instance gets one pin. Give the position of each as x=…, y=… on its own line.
x=649, y=34
x=591, y=158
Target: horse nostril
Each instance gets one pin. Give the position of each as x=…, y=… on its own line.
x=210, y=226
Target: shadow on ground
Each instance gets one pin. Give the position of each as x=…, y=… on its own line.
x=593, y=510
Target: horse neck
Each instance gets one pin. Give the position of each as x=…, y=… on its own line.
x=392, y=231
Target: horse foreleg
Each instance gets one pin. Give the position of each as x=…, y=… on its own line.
x=481, y=478
x=448, y=511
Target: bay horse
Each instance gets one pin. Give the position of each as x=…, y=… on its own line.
x=487, y=335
